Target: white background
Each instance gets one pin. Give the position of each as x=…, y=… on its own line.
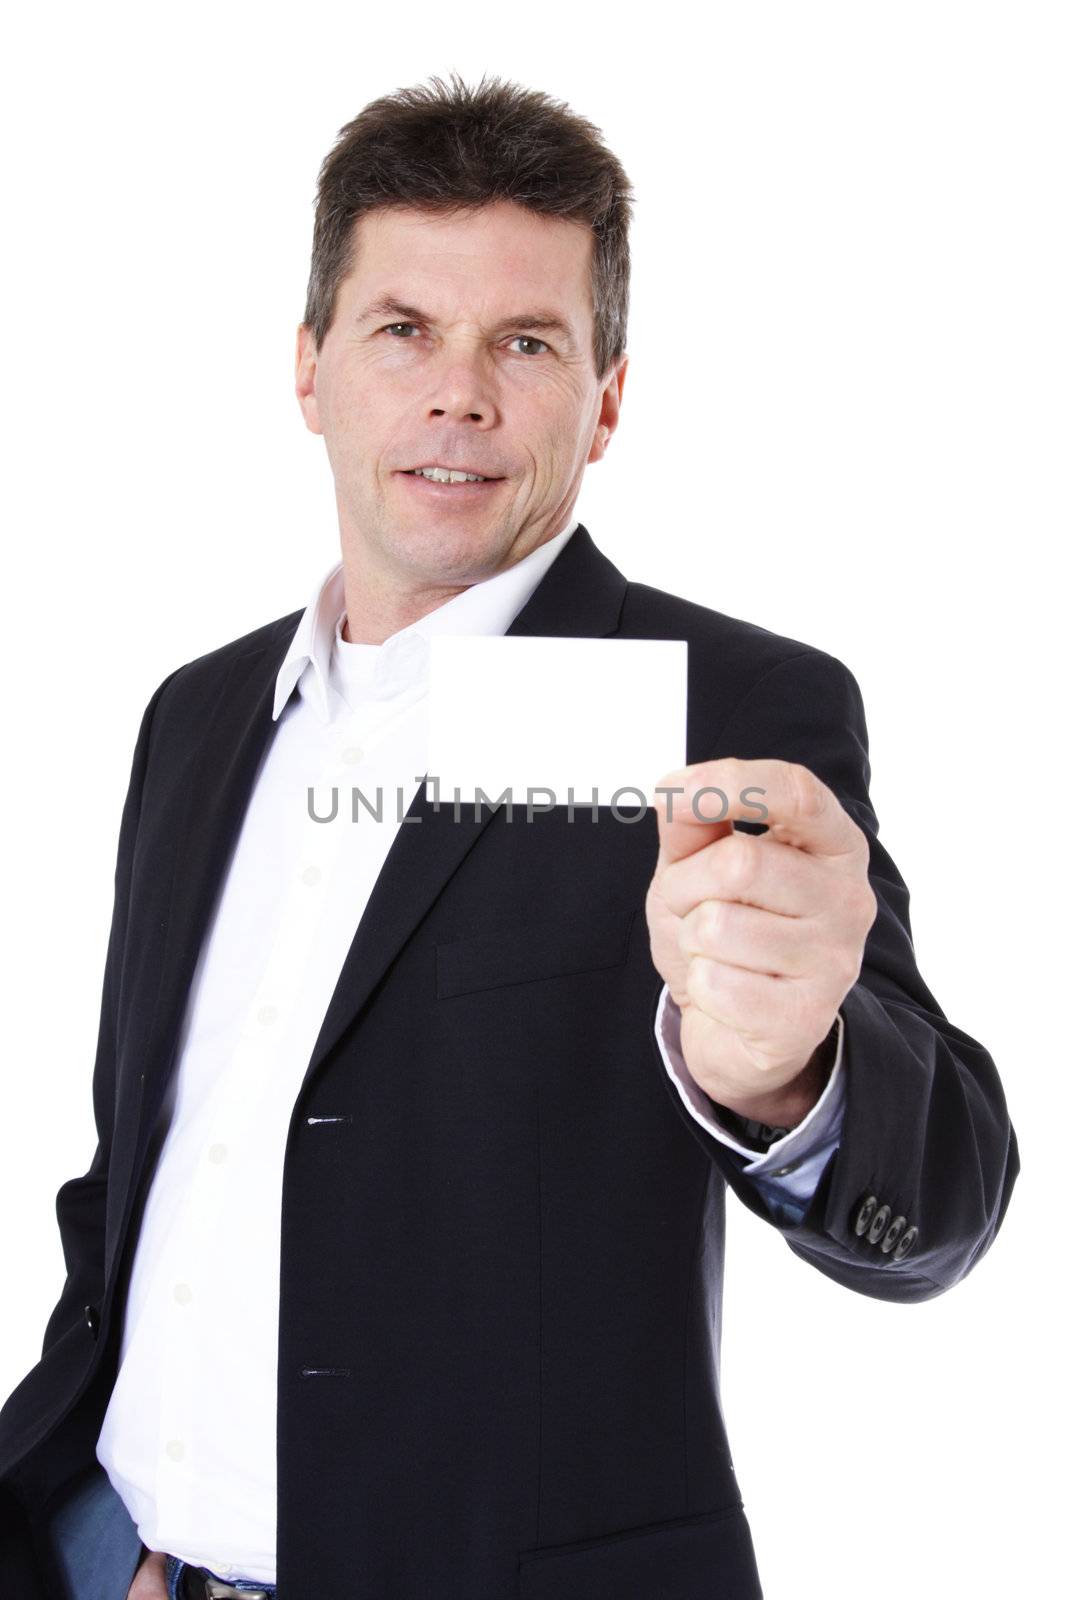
x=844, y=419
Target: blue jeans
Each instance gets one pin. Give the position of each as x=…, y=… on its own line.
x=174, y=1570
x=97, y=1547
x=95, y=1540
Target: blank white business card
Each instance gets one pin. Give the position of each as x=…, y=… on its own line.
x=582, y=718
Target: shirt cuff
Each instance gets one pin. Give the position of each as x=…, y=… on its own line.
x=794, y=1163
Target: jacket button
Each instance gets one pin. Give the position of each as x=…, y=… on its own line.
x=92, y=1320
x=865, y=1213
x=906, y=1243
x=878, y=1226
x=893, y=1233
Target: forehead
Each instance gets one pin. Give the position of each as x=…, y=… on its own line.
x=474, y=258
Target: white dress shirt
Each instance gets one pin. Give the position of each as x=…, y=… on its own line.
x=188, y=1439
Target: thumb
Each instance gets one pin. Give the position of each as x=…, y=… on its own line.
x=681, y=831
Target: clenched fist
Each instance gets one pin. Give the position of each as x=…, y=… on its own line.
x=758, y=937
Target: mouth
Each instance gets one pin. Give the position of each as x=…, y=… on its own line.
x=439, y=473
x=449, y=483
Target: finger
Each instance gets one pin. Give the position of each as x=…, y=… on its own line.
x=750, y=869
x=750, y=1004
x=800, y=809
x=746, y=936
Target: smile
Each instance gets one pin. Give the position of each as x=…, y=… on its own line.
x=443, y=484
x=449, y=475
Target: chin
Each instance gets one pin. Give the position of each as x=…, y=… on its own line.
x=449, y=550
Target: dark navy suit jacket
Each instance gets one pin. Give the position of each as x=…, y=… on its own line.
x=501, y=1293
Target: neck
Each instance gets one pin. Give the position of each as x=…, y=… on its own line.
x=376, y=612
x=380, y=600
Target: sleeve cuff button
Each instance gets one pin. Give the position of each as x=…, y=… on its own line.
x=906, y=1243
x=893, y=1233
x=865, y=1213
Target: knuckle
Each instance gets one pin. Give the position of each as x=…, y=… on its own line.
x=730, y=773
x=810, y=794
x=740, y=862
x=862, y=905
x=668, y=888
x=700, y=980
x=715, y=921
x=855, y=898
x=846, y=970
x=871, y=908
x=699, y=932
x=703, y=925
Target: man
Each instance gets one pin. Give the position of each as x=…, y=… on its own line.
x=397, y=1270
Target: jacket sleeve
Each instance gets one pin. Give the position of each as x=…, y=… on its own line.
x=788, y=1173
x=81, y=1202
x=926, y=1141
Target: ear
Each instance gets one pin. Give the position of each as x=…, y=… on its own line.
x=610, y=401
x=306, y=371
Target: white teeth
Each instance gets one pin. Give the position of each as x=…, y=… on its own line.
x=442, y=475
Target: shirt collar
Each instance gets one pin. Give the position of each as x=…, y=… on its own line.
x=489, y=607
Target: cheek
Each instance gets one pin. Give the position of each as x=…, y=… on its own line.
x=358, y=421
x=551, y=420
x=554, y=399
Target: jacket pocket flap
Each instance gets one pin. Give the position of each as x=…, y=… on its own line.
x=526, y=951
x=708, y=1557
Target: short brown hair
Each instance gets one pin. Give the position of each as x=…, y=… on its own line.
x=447, y=148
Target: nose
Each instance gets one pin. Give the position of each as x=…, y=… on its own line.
x=462, y=393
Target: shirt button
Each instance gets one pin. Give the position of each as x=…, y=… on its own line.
x=782, y=1172
x=182, y=1293
x=175, y=1449
x=310, y=875
x=353, y=754
x=267, y=1015
x=217, y=1153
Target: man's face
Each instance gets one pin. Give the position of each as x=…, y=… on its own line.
x=438, y=354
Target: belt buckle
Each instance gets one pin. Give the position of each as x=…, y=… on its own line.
x=215, y=1589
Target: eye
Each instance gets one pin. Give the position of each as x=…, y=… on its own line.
x=524, y=338
x=528, y=338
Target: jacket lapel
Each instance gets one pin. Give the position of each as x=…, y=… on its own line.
x=579, y=596
x=202, y=822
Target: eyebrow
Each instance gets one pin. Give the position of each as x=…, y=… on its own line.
x=539, y=321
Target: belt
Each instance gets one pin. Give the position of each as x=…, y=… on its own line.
x=197, y=1583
